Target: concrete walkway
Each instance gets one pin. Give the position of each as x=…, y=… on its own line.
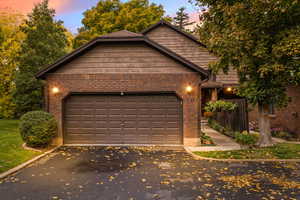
x=279, y=140
x=222, y=142
x=225, y=143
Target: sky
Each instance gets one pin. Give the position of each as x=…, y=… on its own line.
x=70, y=11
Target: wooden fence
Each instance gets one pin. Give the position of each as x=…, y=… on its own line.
x=236, y=120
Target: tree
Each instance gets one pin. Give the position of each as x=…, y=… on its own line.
x=261, y=40
x=182, y=19
x=113, y=15
x=45, y=41
x=11, y=38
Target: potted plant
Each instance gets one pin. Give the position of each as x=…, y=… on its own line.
x=218, y=106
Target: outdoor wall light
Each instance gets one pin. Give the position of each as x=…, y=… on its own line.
x=55, y=90
x=229, y=89
x=188, y=89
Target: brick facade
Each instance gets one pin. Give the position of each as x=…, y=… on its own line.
x=287, y=118
x=102, y=83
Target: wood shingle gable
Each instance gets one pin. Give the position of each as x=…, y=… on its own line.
x=118, y=38
x=189, y=47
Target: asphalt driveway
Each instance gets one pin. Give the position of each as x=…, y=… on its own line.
x=146, y=173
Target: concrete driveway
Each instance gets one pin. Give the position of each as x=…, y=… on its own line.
x=147, y=173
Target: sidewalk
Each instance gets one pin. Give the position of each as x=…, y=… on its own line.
x=222, y=142
x=279, y=140
x=225, y=143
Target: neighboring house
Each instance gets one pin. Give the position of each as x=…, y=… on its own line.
x=286, y=119
x=134, y=88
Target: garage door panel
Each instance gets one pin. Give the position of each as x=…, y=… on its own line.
x=80, y=124
x=144, y=124
x=128, y=119
x=101, y=125
x=131, y=125
x=79, y=118
x=172, y=125
x=100, y=118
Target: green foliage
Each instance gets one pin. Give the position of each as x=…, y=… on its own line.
x=44, y=43
x=224, y=130
x=182, y=19
x=278, y=151
x=38, y=128
x=11, y=151
x=206, y=140
x=219, y=106
x=9, y=48
x=283, y=135
x=246, y=139
x=260, y=39
x=113, y=15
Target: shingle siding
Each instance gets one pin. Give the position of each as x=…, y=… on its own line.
x=121, y=58
x=190, y=50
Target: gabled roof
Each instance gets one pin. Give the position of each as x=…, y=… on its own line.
x=165, y=23
x=115, y=38
x=123, y=33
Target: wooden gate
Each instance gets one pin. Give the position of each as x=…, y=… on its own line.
x=236, y=120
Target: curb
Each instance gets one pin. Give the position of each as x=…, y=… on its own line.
x=23, y=165
x=238, y=160
x=29, y=148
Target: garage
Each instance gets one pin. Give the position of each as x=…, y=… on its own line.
x=124, y=88
x=123, y=119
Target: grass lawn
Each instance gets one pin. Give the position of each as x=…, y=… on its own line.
x=11, y=151
x=279, y=151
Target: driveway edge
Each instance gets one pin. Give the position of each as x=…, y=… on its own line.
x=23, y=165
x=197, y=157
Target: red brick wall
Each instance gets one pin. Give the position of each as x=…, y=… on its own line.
x=287, y=118
x=68, y=83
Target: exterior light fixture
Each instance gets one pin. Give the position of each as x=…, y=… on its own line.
x=229, y=89
x=189, y=89
x=55, y=90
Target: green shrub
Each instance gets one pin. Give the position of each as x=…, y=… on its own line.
x=246, y=139
x=216, y=126
x=218, y=106
x=283, y=135
x=38, y=128
x=206, y=140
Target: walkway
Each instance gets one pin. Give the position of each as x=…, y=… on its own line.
x=222, y=142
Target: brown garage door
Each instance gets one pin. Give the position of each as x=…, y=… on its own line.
x=127, y=119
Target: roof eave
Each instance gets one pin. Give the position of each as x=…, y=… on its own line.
x=41, y=74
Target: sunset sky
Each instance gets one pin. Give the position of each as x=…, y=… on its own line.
x=70, y=11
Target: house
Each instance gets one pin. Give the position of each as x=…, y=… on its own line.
x=286, y=119
x=134, y=88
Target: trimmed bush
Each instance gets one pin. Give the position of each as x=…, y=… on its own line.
x=246, y=139
x=38, y=128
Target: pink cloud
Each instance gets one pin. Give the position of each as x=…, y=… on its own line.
x=194, y=17
x=61, y=6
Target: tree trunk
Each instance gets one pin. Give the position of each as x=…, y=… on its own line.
x=264, y=126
